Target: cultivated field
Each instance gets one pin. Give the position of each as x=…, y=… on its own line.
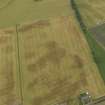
x=92, y=11
x=20, y=11
x=56, y=63
x=46, y=62
x=9, y=87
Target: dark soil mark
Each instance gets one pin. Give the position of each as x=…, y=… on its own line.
x=10, y=100
x=7, y=4
x=4, y=39
x=46, y=81
x=9, y=83
x=78, y=62
x=8, y=49
x=38, y=24
x=9, y=31
x=29, y=55
x=37, y=0
x=8, y=88
x=58, y=91
x=51, y=45
x=83, y=79
x=54, y=56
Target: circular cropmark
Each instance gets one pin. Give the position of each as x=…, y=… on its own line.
x=4, y=3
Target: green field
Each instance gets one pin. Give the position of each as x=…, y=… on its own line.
x=92, y=11
x=20, y=11
x=97, y=50
x=4, y=3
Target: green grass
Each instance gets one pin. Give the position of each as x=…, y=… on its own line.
x=97, y=51
x=99, y=54
x=3, y=2
x=92, y=11
x=20, y=11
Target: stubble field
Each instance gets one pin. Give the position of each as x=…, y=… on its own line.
x=9, y=84
x=47, y=61
x=55, y=62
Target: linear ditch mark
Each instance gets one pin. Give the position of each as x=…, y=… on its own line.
x=19, y=65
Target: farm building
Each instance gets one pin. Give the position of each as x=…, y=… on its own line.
x=86, y=99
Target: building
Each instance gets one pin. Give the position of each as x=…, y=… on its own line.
x=86, y=99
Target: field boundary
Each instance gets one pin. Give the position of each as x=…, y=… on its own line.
x=97, y=51
x=19, y=65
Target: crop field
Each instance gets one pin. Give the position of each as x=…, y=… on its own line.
x=55, y=62
x=9, y=87
x=92, y=11
x=20, y=11
x=44, y=56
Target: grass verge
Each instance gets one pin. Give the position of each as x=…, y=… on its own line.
x=97, y=51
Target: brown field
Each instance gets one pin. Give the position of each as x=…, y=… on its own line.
x=9, y=88
x=56, y=63
x=92, y=11
x=48, y=61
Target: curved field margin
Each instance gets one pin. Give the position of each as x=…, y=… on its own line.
x=21, y=11
x=97, y=51
x=69, y=69
x=5, y=3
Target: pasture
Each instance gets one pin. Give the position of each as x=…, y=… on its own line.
x=20, y=11
x=92, y=11
x=56, y=62
x=99, y=33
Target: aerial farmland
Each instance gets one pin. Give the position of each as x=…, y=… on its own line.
x=45, y=58
x=94, y=18
x=22, y=11
x=92, y=11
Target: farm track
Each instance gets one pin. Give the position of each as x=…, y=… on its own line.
x=19, y=66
